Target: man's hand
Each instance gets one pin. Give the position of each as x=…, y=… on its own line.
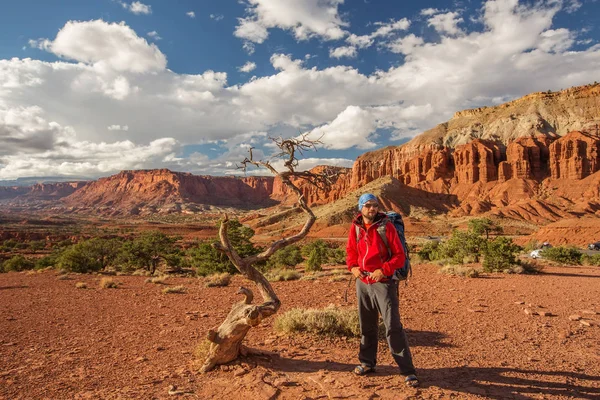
x=356, y=272
x=377, y=275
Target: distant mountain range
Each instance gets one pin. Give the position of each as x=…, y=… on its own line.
x=536, y=158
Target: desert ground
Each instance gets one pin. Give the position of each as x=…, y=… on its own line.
x=498, y=336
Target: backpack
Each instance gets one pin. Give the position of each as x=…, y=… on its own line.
x=396, y=219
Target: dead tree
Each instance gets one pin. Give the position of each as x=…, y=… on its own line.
x=226, y=340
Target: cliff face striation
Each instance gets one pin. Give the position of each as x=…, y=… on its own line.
x=148, y=191
x=495, y=157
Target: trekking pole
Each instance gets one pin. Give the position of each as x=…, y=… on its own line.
x=348, y=287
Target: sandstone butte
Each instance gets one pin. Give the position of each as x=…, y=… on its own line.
x=535, y=158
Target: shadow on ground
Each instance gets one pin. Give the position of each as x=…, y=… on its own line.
x=489, y=382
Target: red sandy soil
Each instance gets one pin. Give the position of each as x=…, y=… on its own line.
x=471, y=338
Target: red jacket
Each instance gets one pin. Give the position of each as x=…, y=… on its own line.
x=370, y=252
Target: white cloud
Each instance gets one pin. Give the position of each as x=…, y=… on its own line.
x=429, y=11
x=24, y=130
x=446, y=23
x=55, y=115
x=248, y=67
x=89, y=159
x=385, y=30
x=556, y=40
x=357, y=126
x=191, y=14
x=305, y=18
x=137, y=7
x=154, y=35
x=360, y=41
x=405, y=45
x=114, y=46
x=249, y=48
x=344, y=51
x=572, y=6
x=251, y=30
x=118, y=128
x=217, y=17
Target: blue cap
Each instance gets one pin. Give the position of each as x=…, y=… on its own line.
x=364, y=198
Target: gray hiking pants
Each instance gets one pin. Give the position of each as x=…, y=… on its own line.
x=381, y=298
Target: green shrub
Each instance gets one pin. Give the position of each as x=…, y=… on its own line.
x=88, y=256
x=463, y=244
x=337, y=256
x=319, y=244
x=500, y=254
x=46, y=261
x=591, y=260
x=208, y=260
x=330, y=321
x=480, y=226
x=148, y=250
x=563, y=255
x=289, y=256
x=315, y=260
x=430, y=251
x=17, y=263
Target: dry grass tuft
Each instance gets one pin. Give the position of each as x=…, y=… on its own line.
x=459, y=270
x=158, y=280
x=108, y=283
x=330, y=321
x=309, y=277
x=140, y=272
x=64, y=278
x=283, y=274
x=174, y=289
x=338, y=278
x=81, y=285
x=218, y=280
x=527, y=267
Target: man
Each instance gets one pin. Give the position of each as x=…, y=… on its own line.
x=369, y=261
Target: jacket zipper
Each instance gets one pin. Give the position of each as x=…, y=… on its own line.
x=366, y=251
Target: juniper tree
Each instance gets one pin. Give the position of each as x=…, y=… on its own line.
x=226, y=339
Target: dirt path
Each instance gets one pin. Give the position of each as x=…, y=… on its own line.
x=471, y=338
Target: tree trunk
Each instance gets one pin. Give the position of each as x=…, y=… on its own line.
x=226, y=340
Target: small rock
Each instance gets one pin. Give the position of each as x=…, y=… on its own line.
x=574, y=317
x=160, y=348
x=544, y=313
x=141, y=359
x=589, y=312
x=528, y=311
x=565, y=334
x=585, y=323
x=204, y=315
x=239, y=371
x=519, y=302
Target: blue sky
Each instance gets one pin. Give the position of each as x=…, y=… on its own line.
x=89, y=88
